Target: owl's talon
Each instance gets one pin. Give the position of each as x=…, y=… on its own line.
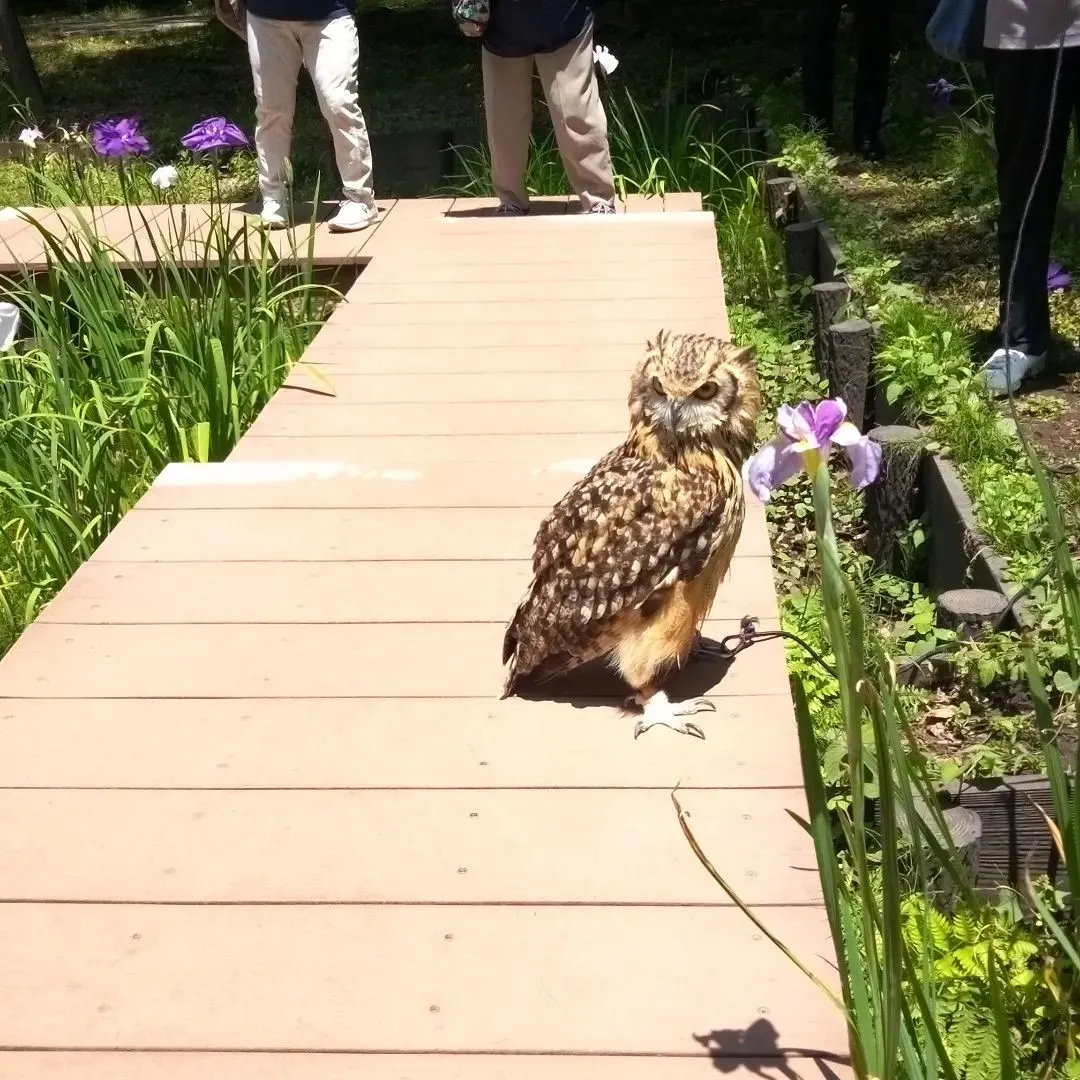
x=659, y=711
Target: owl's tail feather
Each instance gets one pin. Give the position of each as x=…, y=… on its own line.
x=510, y=685
x=509, y=655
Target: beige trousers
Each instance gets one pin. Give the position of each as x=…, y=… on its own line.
x=330, y=51
x=568, y=78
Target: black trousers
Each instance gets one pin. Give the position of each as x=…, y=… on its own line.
x=1021, y=81
x=873, y=28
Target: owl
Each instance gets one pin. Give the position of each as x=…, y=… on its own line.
x=626, y=565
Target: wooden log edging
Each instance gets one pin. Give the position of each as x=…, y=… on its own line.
x=960, y=555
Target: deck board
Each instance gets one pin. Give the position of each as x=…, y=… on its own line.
x=302, y=660
x=321, y=592
x=35, y=1065
x=340, y=534
x=414, y=978
x=266, y=814
x=228, y=743
x=397, y=847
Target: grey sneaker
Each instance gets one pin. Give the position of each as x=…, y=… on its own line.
x=353, y=216
x=1005, y=371
x=509, y=209
x=273, y=215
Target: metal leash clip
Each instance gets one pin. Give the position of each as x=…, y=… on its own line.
x=747, y=635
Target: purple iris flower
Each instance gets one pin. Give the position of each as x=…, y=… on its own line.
x=214, y=133
x=941, y=94
x=118, y=138
x=1058, y=279
x=806, y=435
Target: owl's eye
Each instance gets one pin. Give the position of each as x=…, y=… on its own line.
x=658, y=386
x=706, y=391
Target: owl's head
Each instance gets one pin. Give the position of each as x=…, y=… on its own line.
x=694, y=391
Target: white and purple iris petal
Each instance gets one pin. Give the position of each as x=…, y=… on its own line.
x=806, y=432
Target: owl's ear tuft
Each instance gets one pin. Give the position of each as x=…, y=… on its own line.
x=740, y=355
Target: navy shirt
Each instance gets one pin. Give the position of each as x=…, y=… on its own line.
x=299, y=10
x=525, y=27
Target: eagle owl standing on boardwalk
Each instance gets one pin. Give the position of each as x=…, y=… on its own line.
x=627, y=563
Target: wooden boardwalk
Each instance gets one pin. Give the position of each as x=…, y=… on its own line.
x=264, y=816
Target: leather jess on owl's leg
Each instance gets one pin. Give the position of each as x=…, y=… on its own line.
x=706, y=651
x=658, y=710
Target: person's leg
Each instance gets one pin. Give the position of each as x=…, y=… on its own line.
x=508, y=113
x=275, y=55
x=873, y=22
x=572, y=92
x=1021, y=82
x=821, y=20
x=331, y=54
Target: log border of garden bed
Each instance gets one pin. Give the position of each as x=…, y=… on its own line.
x=997, y=822
x=959, y=554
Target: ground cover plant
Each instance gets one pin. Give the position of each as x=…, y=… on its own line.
x=918, y=238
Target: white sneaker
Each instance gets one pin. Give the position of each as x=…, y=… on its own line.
x=1005, y=371
x=602, y=208
x=353, y=216
x=509, y=209
x=272, y=215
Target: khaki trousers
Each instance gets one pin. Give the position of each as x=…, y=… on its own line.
x=330, y=51
x=568, y=78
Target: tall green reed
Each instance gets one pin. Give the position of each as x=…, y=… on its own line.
x=133, y=360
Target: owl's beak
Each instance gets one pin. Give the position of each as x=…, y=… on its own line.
x=674, y=415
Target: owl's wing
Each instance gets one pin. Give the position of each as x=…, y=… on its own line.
x=626, y=531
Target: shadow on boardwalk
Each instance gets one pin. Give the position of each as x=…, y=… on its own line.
x=757, y=1051
x=598, y=684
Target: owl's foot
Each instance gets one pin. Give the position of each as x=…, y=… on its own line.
x=658, y=710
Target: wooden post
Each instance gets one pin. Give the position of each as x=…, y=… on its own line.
x=827, y=303
x=24, y=76
x=780, y=199
x=967, y=611
x=800, y=252
x=892, y=498
x=964, y=829
x=849, y=352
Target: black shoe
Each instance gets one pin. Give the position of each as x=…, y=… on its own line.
x=870, y=147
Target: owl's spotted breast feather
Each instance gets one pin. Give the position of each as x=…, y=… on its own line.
x=623, y=535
